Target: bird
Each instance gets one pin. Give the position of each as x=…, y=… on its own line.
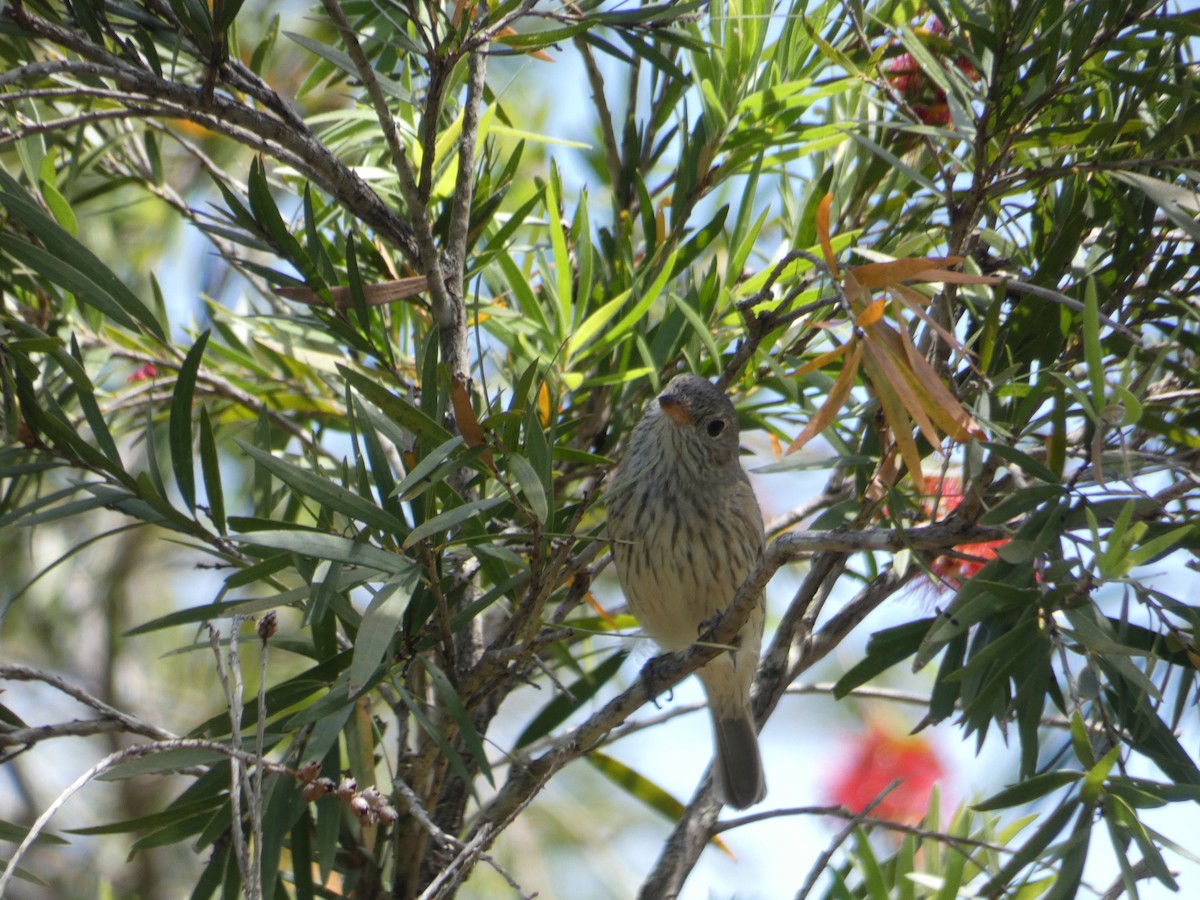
x=685, y=530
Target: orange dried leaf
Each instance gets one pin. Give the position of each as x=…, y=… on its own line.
x=895, y=372
x=933, y=396
x=823, y=233
x=601, y=611
x=872, y=314
x=854, y=290
x=915, y=303
x=373, y=294
x=838, y=395
x=877, y=275
x=894, y=412
x=955, y=277
x=543, y=403
x=821, y=361
x=464, y=416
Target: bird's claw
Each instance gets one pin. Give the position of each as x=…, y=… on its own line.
x=650, y=678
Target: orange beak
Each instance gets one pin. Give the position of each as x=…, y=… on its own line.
x=672, y=406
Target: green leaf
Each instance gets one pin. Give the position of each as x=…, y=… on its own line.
x=637, y=785
x=531, y=485
x=451, y=517
x=1091, y=343
x=561, y=707
x=210, y=467
x=1155, y=547
x=1070, y=869
x=319, y=545
x=337, y=498
x=1026, y=462
x=458, y=713
x=179, y=431
x=59, y=208
x=885, y=649
x=14, y=833
x=156, y=820
x=558, y=243
x=1093, y=784
x=1029, y=790
x=420, y=475
x=69, y=264
x=163, y=761
x=343, y=62
x=380, y=622
x=1047, y=832
x=438, y=737
x=398, y=410
x=584, y=332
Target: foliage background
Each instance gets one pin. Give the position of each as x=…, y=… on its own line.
x=408, y=471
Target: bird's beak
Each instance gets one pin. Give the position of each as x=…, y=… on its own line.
x=674, y=408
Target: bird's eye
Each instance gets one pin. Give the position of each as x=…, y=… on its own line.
x=715, y=427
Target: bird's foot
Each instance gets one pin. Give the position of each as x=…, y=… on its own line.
x=651, y=678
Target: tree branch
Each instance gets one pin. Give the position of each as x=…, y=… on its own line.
x=284, y=138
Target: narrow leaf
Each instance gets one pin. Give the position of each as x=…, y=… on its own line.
x=179, y=431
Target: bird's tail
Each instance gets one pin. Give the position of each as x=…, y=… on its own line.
x=737, y=771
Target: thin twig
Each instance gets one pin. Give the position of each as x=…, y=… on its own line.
x=841, y=812
x=1141, y=871
x=128, y=723
x=260, y=740
x=1062, y=299
x=236, y=769
x=822, y=861
x=109, y=762
x=823, y=500
x=612, y=155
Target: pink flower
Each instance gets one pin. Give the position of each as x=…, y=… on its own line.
x=144, y=373
x=875, y=760
x=942, y=497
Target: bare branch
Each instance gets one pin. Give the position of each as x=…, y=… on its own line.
x=111, y=761
x=840, y=812
x=464, y=188
x=127, y=723
x=283, y=137
x=826, y=855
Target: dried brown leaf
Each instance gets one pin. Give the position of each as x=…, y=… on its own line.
x=373, y=294
x=838, y=394
x=823, y=233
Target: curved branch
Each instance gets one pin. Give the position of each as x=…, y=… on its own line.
x=110, y=714
x=110, y=762
x=527, y=777
x=282, y=135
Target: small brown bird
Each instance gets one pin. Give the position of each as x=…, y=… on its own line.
x=686, y=530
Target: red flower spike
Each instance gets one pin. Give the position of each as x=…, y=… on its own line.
x=942, y=497
x=875, y=760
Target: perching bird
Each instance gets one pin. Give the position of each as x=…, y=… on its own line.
x=686, y=530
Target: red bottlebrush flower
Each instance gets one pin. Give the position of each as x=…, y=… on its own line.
x=926, y=100
x=144, y=373
x=904, y=74
x=873, y=762
x=934, y=113
x=942, y=497
x=964, y=65
x=954, y=570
